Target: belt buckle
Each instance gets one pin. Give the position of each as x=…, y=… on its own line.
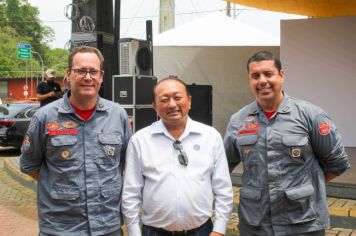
x=183, y=232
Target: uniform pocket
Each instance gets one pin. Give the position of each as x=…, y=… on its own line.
x=297, y=206
x=296, y=146
x=61, y=152
x=109, y=149
x=246, y=140
x=250, y=205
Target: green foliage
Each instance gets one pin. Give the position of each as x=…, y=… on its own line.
x=20, y=23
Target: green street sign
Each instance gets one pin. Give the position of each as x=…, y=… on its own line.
x=23, y=51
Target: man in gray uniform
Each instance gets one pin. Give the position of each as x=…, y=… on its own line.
x=289, y=149
x=75, y=147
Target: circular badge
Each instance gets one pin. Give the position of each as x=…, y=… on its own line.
x=324, y=128
x=196, y=147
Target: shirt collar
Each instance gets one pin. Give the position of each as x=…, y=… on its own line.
x=191, y=127
x=101, y=104
x=284, y=107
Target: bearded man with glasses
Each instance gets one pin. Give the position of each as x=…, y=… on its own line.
x=175, y=169
x=75, y=147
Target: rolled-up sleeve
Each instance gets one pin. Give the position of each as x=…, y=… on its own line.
x=327, y=145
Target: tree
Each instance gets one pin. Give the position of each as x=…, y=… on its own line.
x=24, y=19
x=20, y=23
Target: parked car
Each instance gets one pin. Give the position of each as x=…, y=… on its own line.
x=14, y=121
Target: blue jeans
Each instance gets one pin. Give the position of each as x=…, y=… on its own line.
x=203, y=230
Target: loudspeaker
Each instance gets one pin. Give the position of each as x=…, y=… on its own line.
x=202, y=103
x=133, y=90
x=135, y=57
x=140, y=116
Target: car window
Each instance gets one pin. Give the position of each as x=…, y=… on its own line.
x=31, y=112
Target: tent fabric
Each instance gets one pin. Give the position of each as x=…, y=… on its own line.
x=314, y=8
x=212, y=50
x=215, y=29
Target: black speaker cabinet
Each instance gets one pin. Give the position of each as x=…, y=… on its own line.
x=140, y=116
x=202, y=103
x=133, y=90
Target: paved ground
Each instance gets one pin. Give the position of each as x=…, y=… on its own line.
x=18, y=214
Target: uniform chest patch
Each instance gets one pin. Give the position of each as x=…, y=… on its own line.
x=53, y=125
x=250, y=126
x=324, y=128
x=296, y=152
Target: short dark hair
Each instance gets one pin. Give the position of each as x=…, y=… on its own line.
x=264, y=56
x=171, y=77
x=83, y=49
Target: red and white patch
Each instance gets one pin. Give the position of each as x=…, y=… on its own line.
x=53, y=125
x=324, y=128
x=63, y=132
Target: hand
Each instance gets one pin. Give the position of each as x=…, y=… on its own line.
x=215, y=234
x=52, y=94
x=329, y=177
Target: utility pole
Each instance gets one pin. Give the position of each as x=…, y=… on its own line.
x=166, y=15
x=228, y=9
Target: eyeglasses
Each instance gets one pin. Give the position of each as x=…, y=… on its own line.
x=82, y=73
x=182, y=157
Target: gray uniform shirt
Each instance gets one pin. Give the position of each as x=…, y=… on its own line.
x=284, y=159
x=80, y=164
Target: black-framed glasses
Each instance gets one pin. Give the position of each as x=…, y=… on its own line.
x=81, y=73
x=182, y=156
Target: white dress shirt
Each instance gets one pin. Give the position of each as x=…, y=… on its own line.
x=173, y=196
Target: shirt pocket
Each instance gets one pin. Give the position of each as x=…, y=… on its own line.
x=61, y=151
x=250, y=205
x=296, y=147
x=246, y=145
x=109, y=151
x=65, y=199
x=297, y=205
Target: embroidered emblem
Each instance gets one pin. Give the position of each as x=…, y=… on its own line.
x=296, y=152
x=324, y=128
x=65, y=154
x=26, y=145
x=252, y=126
x=250, y=119
x=196, y=147
x=247, y=131
x=62, y=132
x=53, y=125
x=70, y=124
x=110, y=151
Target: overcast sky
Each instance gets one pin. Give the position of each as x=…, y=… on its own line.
x=134, y=14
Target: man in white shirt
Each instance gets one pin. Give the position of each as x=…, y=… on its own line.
x=175, y=169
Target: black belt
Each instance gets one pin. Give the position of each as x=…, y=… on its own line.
x=183, y=232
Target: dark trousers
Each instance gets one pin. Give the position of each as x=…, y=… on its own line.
x=203, y=230
x=115, y=233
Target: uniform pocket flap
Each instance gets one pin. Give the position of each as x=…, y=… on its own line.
x=300, y=192
x=65, y=193
x=294, y=140
x=246, y=140
x=63, y=140
x=110, y=139
x=250, y=193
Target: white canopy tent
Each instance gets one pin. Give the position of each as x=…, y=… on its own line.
x=213, y=50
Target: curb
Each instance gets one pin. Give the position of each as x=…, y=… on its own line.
x=12, y=169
